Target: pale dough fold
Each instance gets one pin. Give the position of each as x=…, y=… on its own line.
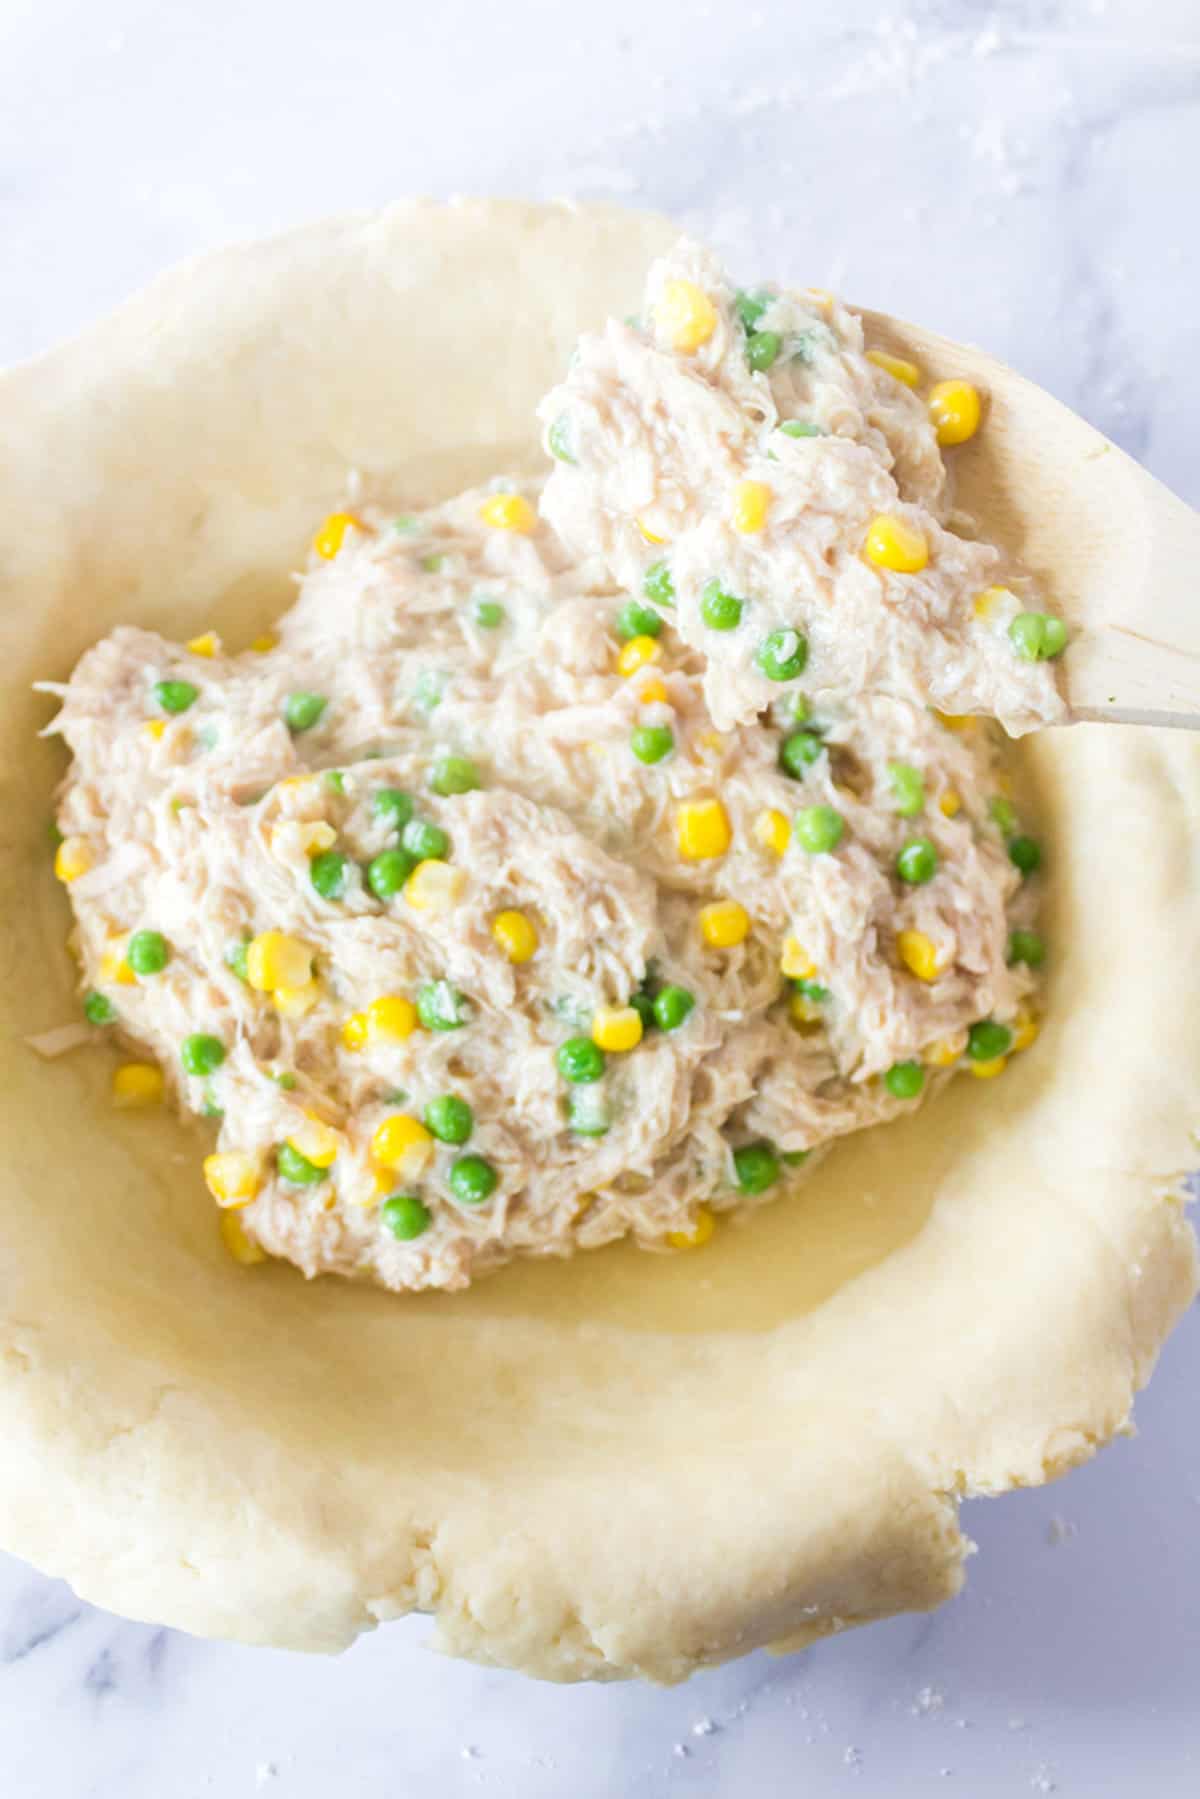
x=624, y=1463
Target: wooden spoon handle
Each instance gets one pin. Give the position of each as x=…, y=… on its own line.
x=1135, y=658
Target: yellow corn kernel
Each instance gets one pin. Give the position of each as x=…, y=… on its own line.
x=317, y=837
x=137, y=1084
x=435, y=886
x=685, y=315
x=617, y=1028
x=820, y=296
x=648, y=531
x=274, y=960
x=946, y=1050
x=331, y=536
x=509, y=512
x=208, y=644
x=954, y=411
x=952, y=721
x=73, y=858
x=724, y=924
x=987, y=1071
x=516, y=935
x=402, y=1144
x=390, y=1019
x=113, y=966
x=985, y=602
x=702, y=830
x=264, y=642
x=795, y=962
x=315, y=1140
x=232, y=1177
x=295, y=1002
x=652, y=693
x=355, y=1031
x=751, y=504
x=804, y=1011
x=950, y=803
x=711, y=742
x=154, y=727
x=1025, y=1028
x=899, y=366
x=698, y=1232
x=894, y=544
x=773, y=831
x=637, y=653
x=241, y=1247
x=918, y=954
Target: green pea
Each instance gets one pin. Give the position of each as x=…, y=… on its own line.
x=430, y=687
x=97, y=1009
x=441, y=1007
x=405, y=1216
x=453, y=774
x=212, y=1107
x=800, y=707
x=335, y=780
x=284, y=1078
x=643, y=1004
x=327, y=872
x=387, y=873
x=489, y=615
x=800, y=428
x=580, y=1060
x=650, y=743
x=425, y=841
x=558, y=439
x=636, y=620
x=987, y=1040
x=904, y=1080
x=761, y=350
x=672, y=1006
x=818, y=829
x=812, y=990
x=908, y=785
x=720, y=610
x=472, y=1180
x=434, y=562
x=201, y=1054
x=751, y=306
x=917, y=861
x=147, y=952
x=657, y=584
x=302, y=710
x=1025, y=853
x=794, y=1158
x=406, y=524
x=392, y=806
x=1037, y=636
x=588, y=1112
x=1028, y=947
x=755, y=1167
x=175, y=696
x=1003, y=814
x=53, y=834
x=1054, y=638
x=782, y=655
x=449, y=1118
x=296, y=1168
x=235, y=958
x=798, y=752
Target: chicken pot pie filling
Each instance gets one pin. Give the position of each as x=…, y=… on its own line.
x=581, y=861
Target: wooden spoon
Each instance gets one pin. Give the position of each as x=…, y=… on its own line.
x=1113, y=550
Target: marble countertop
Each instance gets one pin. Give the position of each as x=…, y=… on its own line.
x=1016, y=173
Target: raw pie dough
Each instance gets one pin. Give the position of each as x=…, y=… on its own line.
x=620, y=1464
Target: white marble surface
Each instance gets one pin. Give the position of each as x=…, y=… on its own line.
x=1020, y=173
